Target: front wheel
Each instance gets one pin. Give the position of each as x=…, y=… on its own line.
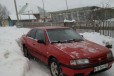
x=55, y=68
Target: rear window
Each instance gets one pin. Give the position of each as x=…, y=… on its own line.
x=32, y=33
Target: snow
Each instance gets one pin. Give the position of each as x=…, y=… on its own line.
x=32, y=9
x=13, y=63
x=112, y=19
x=37, y=69
x=83, y=46
x=29, y=7
x=97, y=38
x=69, y=20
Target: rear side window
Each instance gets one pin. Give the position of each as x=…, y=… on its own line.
x=32, y=33
x=40, y=35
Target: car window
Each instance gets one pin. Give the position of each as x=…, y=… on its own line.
x=32, y=33
x=40, y=35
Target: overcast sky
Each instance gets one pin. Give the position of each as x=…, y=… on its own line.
x=55, y=5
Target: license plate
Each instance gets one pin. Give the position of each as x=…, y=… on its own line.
x=101, y=67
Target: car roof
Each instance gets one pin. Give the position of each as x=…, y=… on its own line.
x=50, y=27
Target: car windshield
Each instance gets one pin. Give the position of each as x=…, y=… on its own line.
x=63, y=35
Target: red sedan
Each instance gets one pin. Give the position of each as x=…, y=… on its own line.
x=66, y=52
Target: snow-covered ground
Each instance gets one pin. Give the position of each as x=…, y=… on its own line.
x=13, y=63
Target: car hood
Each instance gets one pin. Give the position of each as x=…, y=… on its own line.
x=82, y=49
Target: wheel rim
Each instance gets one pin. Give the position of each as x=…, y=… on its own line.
x=54, y=69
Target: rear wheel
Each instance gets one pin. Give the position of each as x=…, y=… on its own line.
x=55, y=68
x=26, y=53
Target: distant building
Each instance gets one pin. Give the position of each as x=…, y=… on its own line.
x=38, y=12
x=12, y=19
x=83, y=14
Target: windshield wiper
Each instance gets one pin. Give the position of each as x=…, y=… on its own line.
x=59, y=41
x=54, y=42
x=74, y=40
x=68, y=41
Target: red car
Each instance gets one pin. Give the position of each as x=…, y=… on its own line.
x=66, y=52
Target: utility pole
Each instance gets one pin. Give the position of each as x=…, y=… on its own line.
x=67, y=9
x=43, y=9
x=16, y=11
x=66, y=4
x=29, y=15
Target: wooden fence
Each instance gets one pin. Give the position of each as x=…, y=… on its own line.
x=105, y=28
x=38, y=24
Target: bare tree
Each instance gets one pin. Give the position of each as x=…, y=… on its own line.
x=3, y=12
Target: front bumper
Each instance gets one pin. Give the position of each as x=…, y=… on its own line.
x=84, y=70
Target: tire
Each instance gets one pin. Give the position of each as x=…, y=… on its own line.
x=26, y=53
x=55, y=68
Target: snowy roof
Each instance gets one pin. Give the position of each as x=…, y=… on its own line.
x=112, y=7
x=22, y=17
x=31, y=9
x=112, y=19
x=69, y=20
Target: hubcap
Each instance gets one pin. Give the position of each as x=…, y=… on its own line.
x=54, y=69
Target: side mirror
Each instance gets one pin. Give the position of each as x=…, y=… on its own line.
x=41, y=41
x=109, y=46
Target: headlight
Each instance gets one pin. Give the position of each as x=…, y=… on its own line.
x=79, y=62
x=109, y=55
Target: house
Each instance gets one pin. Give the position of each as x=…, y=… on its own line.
x=12, y=19
x=38, y=12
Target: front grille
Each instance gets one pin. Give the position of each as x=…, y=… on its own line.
x=98, y=59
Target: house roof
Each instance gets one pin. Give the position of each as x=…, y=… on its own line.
x=22, y=17
x=69, y=20
x=31, y=9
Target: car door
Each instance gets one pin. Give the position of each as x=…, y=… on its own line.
x=30, y=40
x=40, y=47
